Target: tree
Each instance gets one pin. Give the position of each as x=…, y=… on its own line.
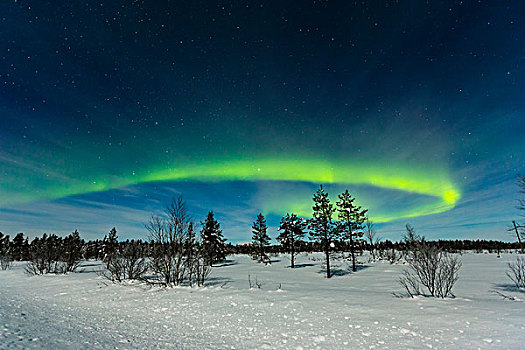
x=5, y=252
x=411, y=239
x=213, y=242
x=72, y=251
x=191, y=253
x=430, y=267
x=371, y=236
x=130, y=264
x=47, y=256
x=260, y=238
x=521, y=185
x=322, y=228
x=518, y=228
x=351, y=218
x=110, y=246
x=516, y=272
x=169, y=235
x=293, y=229
x=20, y=247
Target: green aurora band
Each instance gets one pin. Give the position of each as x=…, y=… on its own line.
x=413, y=180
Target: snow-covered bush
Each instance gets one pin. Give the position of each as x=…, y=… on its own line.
x=516, y=272
x=432, y=271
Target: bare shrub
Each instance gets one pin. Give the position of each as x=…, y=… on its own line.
x=371, y=236
x=45, y=256
x=410, y=283
x=128, y=265
x=52, y=254
x=114, y=270
x=390, y=255
x=202, y=271
x=169, y=235
x=516, y=272
x=178, y=257
x=433, y=269
x=254, y=283
x=6, y=261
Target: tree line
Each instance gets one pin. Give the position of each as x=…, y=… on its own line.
x=176, y=254
x=352, y=233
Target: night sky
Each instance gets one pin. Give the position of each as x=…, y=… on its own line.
x=109, y=109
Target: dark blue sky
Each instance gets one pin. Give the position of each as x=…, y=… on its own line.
x=111, y=108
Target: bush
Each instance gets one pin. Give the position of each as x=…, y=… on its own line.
x=128, y=265
x=517, y=272
x=52, y=254
x=433, y=269
x=5, y=261
x=391, y=255
x=202, y=271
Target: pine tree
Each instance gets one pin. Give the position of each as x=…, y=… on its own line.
x=110, y=246
x=352, y=218
x=4, y=244
x=72, y=251
x=213, y=242
x=5, y=252
x=20, y=247
x=411, y=239
x=293, y=229
x=260, y=238
x=322, y=228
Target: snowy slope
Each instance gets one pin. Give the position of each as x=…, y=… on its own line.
x=85, y=311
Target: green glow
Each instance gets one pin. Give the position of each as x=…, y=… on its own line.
x=418, y=181
x=430, y=182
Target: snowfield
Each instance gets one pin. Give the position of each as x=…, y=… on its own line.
x=349, y=311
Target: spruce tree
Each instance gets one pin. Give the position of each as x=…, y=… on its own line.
x=352, y=218
x=293, y=229
x=260, y=238
x=213, y=242
x=322, y=228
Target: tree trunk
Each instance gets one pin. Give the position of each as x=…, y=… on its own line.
x=293, y=252
x=327, y=252
x=352, y=252
x=518, y=235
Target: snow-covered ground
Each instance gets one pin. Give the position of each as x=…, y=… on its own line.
x=349, y=311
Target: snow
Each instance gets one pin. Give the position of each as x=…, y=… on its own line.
x=308, y=311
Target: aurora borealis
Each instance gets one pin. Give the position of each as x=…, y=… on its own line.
x=111, y=108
